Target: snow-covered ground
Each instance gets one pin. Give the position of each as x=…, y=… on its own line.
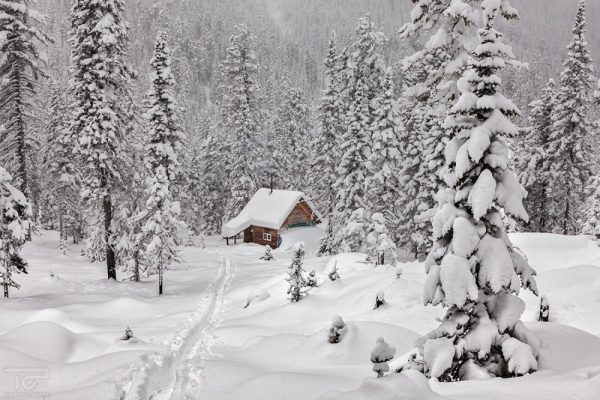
x=199, y=341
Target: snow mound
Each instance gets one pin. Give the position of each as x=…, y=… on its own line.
x=310, y=350
x=564, y=348
x=59, y=317
x=59, y=343
x=408, y=385
x=546, y=251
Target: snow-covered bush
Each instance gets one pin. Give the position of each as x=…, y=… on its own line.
x=352, y=236
x=337, y=329
x=334, y=274
x=381, y=354
x=379, y=300
x=544, y=309
x=128, y=334
x=268, y=256
x=399, y=272
x=378, y=241
x=256, y=296
x=312, y=279
x=296, y=277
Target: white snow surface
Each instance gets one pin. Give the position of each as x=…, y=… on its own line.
x=70, y=326
x=266, y=208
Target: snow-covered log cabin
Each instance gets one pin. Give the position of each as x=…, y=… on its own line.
x=267, y=213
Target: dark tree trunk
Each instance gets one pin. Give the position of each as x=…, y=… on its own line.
x=566, y=216
x=160, y=281
x=110, y=253
x=6, y=290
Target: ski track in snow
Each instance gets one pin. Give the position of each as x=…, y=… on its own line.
x=176, y=373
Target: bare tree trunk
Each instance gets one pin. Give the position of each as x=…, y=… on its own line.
x=566, y=216
x=110, y=253
x=160, y=281
x=6, y=290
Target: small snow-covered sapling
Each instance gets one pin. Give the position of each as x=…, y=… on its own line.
x=338, y=326
x=268, y=256
x=296, y=277
x=312, y=279
x=379, y=300
x=544, y=309
x=399, y=272
x=381, y=354
x=128, y=334
x=334, y=274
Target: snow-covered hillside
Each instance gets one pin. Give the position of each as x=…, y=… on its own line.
x=65, y=326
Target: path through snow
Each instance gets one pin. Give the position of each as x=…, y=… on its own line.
x=175, y=373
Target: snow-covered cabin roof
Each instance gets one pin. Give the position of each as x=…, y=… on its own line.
x=266, y=208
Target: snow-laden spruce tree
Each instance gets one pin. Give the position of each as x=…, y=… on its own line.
x=62, y=181
x=362, y=81
x=325, y=146
x=531, y=159
x=210, y=190
x=385, y=161
x=430, y=77
x=473, y=269
x=406, y=206
x=22, y=65
x=100, y=87
x=240, y=119
x=292, y=139
x=162, y=144
x=326, y=155
x=15, y=223
x=591, y=215
x=568, y=152
x=296, y=277
x=355, y=147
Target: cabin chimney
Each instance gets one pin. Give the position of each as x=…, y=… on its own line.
x=271, y=183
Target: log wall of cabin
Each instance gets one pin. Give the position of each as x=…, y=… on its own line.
x=301, y=214
x=254, y=234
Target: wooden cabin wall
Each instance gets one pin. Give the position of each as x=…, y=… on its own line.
x=255, y=234
x=301, y=214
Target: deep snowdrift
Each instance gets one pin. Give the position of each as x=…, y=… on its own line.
x=70, y=325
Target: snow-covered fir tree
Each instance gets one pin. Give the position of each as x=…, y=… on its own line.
x=292, y=139
x=430, y=77
x=240, y=119
x=568, y=153
x=531, y=159
x=356, y=144
x=407, y=235
x=361, y=81
x=22, y=65
x=325, y=146
x=296, y=277
x=162, y=144
x=378, y=239
x=211, y=191
x=473, y=269
x=100, y=88
x=62, y=198
x=591, y=216
x=15, y=223
x=384, y=162
x=326, y=155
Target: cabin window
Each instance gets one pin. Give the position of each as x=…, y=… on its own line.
x=266, y=236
